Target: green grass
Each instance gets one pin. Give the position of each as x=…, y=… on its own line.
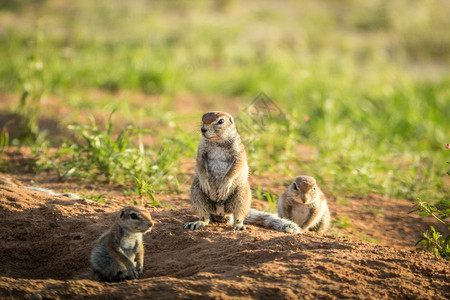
x=100, y=155
x=373, y=82
x=4, y=144
x=342, y=222
x=97, y=155
x=267, y=196
x=95, y=197
x=365, y=237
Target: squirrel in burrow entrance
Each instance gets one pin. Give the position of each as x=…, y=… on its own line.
x=119, y=252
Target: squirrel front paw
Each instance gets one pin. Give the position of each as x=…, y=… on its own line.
x=139, y=270
x=239, y=226
x=223, y=190
x=132, y=272
x=291, y=227
x=126, y=273
x=195, y=225
x=204, y=185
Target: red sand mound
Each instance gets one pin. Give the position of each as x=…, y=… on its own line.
x=46, y=242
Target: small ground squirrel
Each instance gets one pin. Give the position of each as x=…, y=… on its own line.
x=220, y=188
x=304, y=203
x=119, y=252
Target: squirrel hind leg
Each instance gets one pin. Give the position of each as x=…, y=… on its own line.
x=102, y=277
x=203, y=221
x=201, y=204
x=238, y=204
x=98, y=276
x=119, y=276
x=106, y=269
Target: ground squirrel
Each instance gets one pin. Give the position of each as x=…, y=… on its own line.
x=304, y=203
x=221, y=190
x=119, y=252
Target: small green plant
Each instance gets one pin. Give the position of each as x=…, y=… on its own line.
x=448, y=171
x=94, y=197
x=34, y=88
x=342, y=201
x=377, y=212
x=366, y=237
x=162, y=165
x=4, y=144
x=4, y=140
x=145, y=191
x=28, y=112
x=267, y=196
x=432, y=240
x=342, y=222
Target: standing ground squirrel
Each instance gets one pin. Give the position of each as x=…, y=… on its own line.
x=304, y=203
x=220, y=188
x=119, y=252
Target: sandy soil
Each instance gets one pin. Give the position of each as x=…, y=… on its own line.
x=46, y=241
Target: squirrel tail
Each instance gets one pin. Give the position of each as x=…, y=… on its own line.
x=52, y=193
x=271, y=221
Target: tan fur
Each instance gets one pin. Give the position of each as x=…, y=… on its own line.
x=119, y=252
x=271, y=221
x=220, y=188
x=304, y=203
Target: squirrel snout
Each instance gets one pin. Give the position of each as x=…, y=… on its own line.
x=147, y=227
x=204, y=130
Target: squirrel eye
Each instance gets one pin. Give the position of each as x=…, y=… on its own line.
x=294, y=186
x=221, y=121
x=133, y=216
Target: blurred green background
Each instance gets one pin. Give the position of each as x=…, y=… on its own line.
x=364, y=85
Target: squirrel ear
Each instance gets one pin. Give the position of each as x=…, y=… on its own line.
x=231, y=120
x=294, y=186
x=121, y=214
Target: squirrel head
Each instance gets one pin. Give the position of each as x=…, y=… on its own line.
x=218, y=126
x=135, y=219
x=303, y=189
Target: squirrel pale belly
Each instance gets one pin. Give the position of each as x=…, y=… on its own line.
x=119, y=252
x=304, y=203
x=220, y=190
